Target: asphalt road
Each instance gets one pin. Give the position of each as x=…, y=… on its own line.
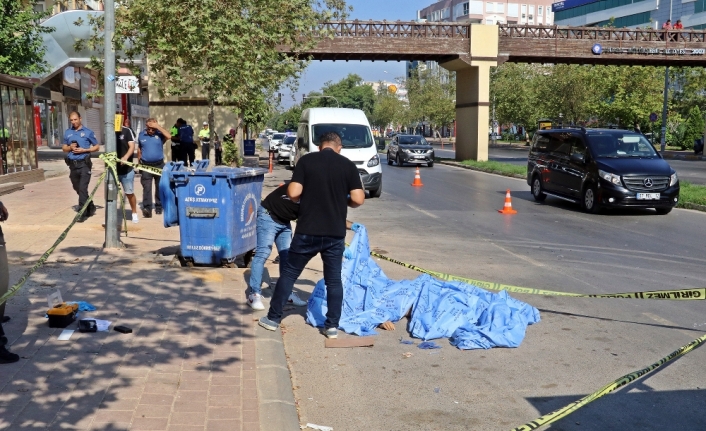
x=693, y=171
x=452, y=225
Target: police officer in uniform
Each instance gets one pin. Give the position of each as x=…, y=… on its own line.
x=79, y=143
x=150, y=152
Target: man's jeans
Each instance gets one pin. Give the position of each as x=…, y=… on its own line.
x=268, y=232
x=302, y=249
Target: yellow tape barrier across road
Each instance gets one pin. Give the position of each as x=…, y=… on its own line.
x=610, y=387
x=674, y=295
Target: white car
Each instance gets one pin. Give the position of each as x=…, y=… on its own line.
x=276, y=141
x=285, y=149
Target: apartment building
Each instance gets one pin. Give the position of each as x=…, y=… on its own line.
x=537, y=12
x=630, y=13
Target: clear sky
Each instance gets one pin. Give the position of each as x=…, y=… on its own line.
x=320, y=72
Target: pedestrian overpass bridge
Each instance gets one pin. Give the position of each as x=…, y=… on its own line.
x=472, y=49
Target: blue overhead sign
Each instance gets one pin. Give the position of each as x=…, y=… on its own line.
x=568, y=4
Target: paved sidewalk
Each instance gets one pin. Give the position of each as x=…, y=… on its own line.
x=189, y=363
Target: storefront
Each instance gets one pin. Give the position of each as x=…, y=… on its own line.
x=18, y=148
x=48, y=116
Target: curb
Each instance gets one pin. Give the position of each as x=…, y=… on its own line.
x=488, y=171
x=672, y=156
x=278, y=411
x=690, y=206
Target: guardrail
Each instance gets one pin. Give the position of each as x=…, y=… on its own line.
x=601, y=33
x=398, y=29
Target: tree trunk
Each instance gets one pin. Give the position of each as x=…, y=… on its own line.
x=239, y=137
x=210, y=119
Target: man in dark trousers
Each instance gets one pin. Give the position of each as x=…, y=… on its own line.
x=79, y=143
x=324, y=183
x=150, y=152
x=186, y=142
x=6, y=357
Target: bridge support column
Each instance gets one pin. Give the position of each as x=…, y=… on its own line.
x=472, y=112
x=473, y=92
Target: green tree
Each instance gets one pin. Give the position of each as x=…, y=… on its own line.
x=628, y=94
x=431, y=94
x=570, y=90
x=21, y=44
x=515, y=89
x=389, y=109
x=350, y=92
x=693, y=128
x=228, y=50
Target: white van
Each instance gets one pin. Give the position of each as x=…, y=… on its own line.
x=358, y=143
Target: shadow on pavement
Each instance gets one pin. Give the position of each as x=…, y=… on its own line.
x=635, y=407
x=187, y=328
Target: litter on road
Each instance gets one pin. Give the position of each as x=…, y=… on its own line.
x=471, y=317
x=349, y=342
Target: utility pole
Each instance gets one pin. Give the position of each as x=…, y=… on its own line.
x=112, y=237
x=663, y=135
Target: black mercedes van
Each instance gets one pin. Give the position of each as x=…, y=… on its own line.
x=601, y=168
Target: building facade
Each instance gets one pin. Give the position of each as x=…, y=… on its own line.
x=630, y=13
x=18, y=149
x=535, y=12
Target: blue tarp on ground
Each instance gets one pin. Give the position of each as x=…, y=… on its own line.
x=472, y=318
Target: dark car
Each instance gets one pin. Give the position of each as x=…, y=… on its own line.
x=601, y=168
x=412, y=149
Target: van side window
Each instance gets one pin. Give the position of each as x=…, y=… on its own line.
x=541, y=143
x=559, y=144
x=577, y=146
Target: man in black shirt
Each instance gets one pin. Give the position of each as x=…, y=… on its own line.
x=125, y=140
x=324, y=183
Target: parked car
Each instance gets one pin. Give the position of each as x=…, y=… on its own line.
x=601, y=168
x=285, y=148
x=412, y=149
x=390, y=134
x=276, y=140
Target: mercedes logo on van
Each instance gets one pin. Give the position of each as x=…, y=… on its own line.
x=647, y=182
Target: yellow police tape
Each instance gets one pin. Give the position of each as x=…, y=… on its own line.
x=17, y=286
x=674, y=295
x=610, y=387
x=111, y=160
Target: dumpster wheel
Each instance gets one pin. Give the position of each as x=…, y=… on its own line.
x=185, y=262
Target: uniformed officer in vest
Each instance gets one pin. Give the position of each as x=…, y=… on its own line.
x=79, y=143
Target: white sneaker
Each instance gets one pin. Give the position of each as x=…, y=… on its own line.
x=296, y=300
x=134, y=218
x=255, y=301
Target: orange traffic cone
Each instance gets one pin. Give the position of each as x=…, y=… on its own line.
x=507, y=209
x=417, y=179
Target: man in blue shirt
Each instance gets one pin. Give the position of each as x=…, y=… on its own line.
x=79, y=143
x=186, y=140
x=150, y=152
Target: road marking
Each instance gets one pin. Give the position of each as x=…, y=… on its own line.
x=519, y=256
x=423, y=212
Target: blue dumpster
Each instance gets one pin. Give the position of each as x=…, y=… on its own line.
x=249, y=147
x=217, y=210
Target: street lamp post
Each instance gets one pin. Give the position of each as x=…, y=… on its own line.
x=561, y=120
x=112, y=239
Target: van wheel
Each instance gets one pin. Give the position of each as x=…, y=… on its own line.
x=537, y=192
x=389, y=159
x=590, y=200
x=663, y=211
x=376, y=193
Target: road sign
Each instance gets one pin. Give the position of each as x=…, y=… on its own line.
x=653, y=117
x=127, y=84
